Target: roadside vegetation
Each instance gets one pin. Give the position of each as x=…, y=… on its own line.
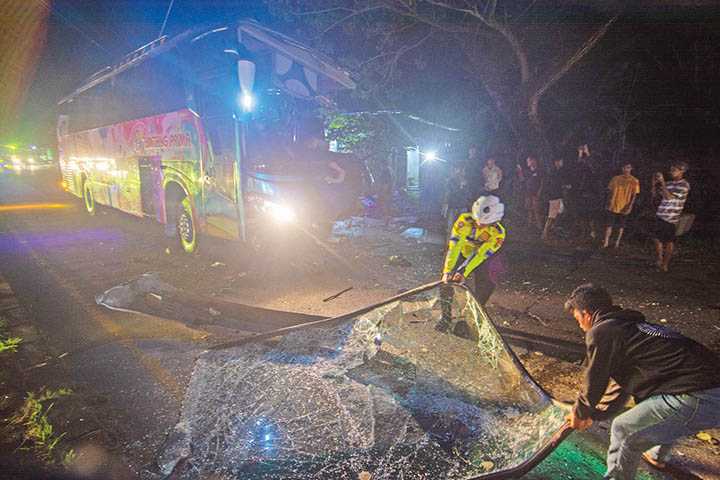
x=8, y=344
x=38, y=433
x=30, y=428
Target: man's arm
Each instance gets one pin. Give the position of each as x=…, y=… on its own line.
x=612, y=401
x=484, y=251
x=600, y=356
x=667, y=194
x=457, y=237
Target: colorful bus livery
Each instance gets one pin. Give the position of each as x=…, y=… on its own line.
x=129, y=165
x=179, y=130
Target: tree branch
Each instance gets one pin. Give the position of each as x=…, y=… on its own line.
x=487, y=17
x=576, y=57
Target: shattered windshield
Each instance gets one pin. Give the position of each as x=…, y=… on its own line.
x=395, y=392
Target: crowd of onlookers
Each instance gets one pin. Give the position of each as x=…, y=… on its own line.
x=579, y=198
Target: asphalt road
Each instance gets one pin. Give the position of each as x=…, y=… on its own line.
x=57, y=259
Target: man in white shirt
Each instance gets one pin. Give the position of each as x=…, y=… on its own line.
x=492, y=176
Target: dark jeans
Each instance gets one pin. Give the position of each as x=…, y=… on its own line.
x=479, y=283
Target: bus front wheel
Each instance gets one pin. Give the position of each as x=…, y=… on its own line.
x=88, y=198
x=185, y=225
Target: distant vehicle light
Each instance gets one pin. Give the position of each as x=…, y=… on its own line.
x=247, y=101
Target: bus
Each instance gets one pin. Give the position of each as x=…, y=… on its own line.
x=203, y=132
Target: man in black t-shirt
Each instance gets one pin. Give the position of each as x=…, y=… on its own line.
x=673, y=379
x=556, y=184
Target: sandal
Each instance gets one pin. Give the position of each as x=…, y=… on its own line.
x=655, y=463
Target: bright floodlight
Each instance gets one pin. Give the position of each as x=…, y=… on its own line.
x=280, y=213
x=247, y=102
x=430, y=155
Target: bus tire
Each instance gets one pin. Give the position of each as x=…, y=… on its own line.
x=185, y=226
x=88, y=198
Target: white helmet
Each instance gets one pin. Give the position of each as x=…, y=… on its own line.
x=487, y=210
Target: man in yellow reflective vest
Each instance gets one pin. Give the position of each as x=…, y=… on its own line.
x=476, y=236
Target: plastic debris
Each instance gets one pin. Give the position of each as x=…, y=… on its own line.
x=213, y=312
x=413, y=233
x=398, y=261
x=217, y=264
x=349, y=228
x=167, y=251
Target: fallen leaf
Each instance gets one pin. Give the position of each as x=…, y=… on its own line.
x=487, y=465
x=706, y=437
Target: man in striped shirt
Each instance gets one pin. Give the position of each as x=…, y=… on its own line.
x=672, y=201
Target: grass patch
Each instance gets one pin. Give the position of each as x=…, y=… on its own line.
x=8, y=344
x=38, y=433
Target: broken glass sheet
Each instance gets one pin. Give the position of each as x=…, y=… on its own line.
x=398, y=392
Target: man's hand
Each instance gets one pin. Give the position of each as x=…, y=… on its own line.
x=458, y=277
x=578, y=423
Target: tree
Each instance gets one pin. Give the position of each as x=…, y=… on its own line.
x=516, y=52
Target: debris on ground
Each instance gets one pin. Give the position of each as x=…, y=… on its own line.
x=707, y=438
x=333, y=297
x=398, y=261
x=415, y=233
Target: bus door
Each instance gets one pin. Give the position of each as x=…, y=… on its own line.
x=220, y=179
x=150, y=172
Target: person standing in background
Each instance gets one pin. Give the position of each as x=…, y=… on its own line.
x=492, y=176
x=623, y=191
x=457, y=193
x=672, y=196
x=588, y=195
x=533, y=191
x=556, y=185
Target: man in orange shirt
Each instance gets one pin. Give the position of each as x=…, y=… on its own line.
x=623, y=191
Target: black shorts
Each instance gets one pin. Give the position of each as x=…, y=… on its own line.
x=664, y=231
x=615, y=219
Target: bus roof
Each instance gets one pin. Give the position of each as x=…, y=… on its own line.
x=261, y=38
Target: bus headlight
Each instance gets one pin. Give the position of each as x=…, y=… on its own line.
x=280, y=213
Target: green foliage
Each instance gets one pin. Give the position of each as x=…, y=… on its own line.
x=348, y=131
x=32, y=417
x=69, y=457
x=8, y=344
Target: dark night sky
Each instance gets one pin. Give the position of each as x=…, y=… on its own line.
x=86, y=35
